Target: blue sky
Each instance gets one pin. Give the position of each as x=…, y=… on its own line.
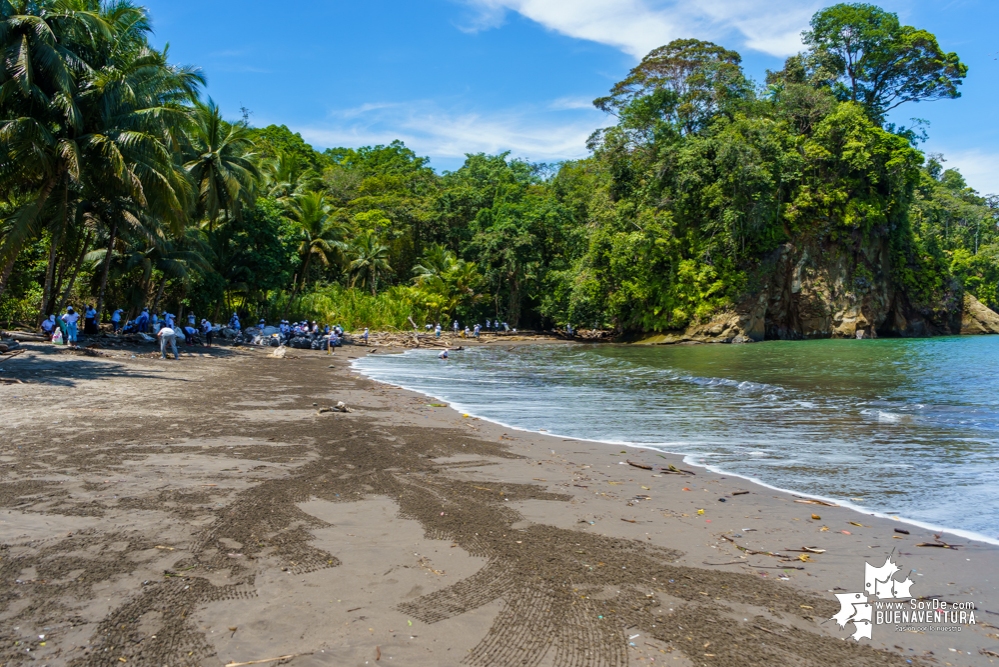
x=451, y=77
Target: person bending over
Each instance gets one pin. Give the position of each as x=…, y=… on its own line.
x=167, y=336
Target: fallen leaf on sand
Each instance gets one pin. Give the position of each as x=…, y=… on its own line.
x=700, y=511
x=823, y=529
x=816, y=517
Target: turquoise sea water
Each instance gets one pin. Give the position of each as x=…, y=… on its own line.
x=903, y=427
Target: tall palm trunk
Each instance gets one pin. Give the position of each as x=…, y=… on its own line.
x=75, y=273
x=104, y=273
x=55, y=242
x=291, y=300
x=65, y=267
x=159, y=293
x=49, y=279
x=305, y=270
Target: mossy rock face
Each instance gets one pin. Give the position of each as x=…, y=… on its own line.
x=834, y=288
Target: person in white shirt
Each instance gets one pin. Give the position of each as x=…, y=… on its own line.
x=90, y=321
x=443, y=354
x=365, y=335
x=209, y=331
x=71, y=318
x=167, y=335
x=48, y=324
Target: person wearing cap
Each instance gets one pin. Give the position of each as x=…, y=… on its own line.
x=331, y=340
x=71, y=318
x=116, y=320
x=167, y=335
x=49, y=325
x=365, y=335
x=142, y=321
x=90, y=320
x=234, y=322
x=443, y=354
x=209, y=331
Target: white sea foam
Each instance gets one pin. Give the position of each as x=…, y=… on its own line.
x=811, y=439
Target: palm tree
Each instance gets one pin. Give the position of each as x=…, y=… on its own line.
x=133, y=111
x=447, y=282
x=436, y=261
x=319, y=234
x=284, y=176
x=220, y=162
x=40, y=63
x=370, y=259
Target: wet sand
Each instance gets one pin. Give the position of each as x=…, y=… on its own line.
x=201, y=512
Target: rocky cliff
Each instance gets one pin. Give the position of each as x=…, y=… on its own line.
x=835, y=290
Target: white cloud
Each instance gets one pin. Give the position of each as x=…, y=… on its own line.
x=567, y=103
x=556, y=131
x=638, y=26
x=979, y=168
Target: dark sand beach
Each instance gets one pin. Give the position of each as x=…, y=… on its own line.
x=204, y=512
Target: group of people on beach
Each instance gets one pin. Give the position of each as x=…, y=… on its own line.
x=466, y=332
x=67, y=326
x=64, y=329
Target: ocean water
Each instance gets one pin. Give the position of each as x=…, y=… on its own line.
x=898, y=427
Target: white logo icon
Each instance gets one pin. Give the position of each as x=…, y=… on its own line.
x=879, y=582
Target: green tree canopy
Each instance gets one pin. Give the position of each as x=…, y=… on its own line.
x=869, y=57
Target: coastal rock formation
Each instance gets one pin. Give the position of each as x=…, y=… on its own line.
x=821, y=289
x=977, y=318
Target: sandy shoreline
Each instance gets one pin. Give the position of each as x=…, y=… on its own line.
x=688, y=460
x=202, y=512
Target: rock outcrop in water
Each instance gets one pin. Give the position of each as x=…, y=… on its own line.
x=836, y=290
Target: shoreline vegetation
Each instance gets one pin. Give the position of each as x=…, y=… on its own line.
x=714, y=207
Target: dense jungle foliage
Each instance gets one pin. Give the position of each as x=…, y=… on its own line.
x=124, y=186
